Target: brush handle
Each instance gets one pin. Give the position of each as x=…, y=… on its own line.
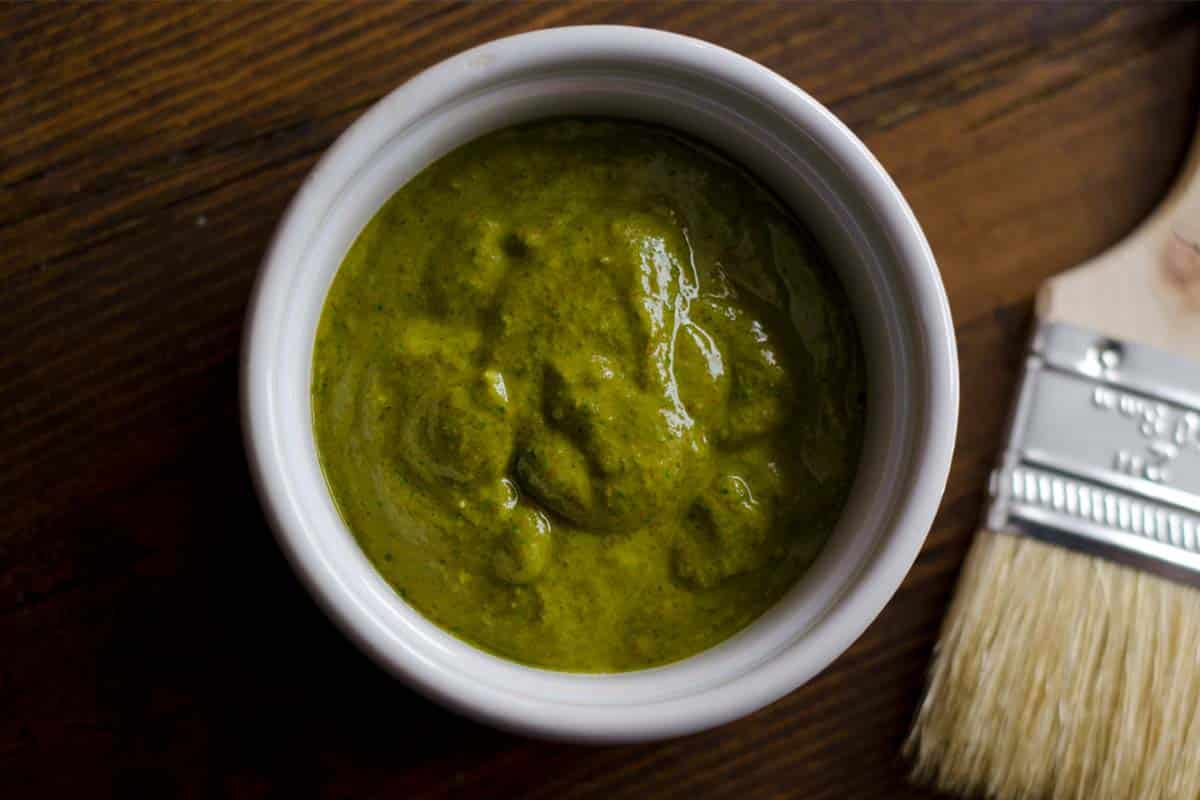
x=1146, y=288
x=1104, y=442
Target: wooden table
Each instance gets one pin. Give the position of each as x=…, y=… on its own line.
x=152, y=640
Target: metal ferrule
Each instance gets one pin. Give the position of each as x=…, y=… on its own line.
x=1104, y=452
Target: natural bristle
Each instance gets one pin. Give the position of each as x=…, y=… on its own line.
x=1060, y=675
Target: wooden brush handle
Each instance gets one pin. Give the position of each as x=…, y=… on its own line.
x=1146, y=288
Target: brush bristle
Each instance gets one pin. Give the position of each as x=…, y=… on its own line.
x=1059, y=675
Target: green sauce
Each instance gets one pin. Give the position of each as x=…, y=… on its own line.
x=587, y=395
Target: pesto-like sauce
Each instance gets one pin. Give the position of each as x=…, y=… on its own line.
x=587, y=396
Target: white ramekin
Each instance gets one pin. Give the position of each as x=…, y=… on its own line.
x=817, y=166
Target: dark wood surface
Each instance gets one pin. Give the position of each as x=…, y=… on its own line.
x=152, y=641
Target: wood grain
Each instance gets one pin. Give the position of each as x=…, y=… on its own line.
x=152, y=641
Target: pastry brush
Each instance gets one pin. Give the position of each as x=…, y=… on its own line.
x=1069, y=662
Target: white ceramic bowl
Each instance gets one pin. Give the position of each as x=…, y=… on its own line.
x=817, y=166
